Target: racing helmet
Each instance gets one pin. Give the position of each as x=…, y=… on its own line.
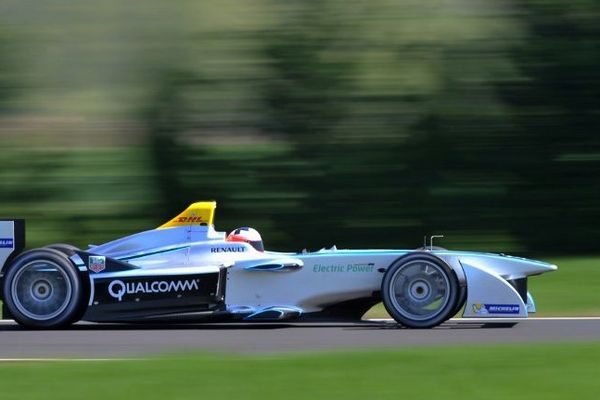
x=247, y=235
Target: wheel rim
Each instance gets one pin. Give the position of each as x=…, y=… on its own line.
x=420, y=290
x=41, y=290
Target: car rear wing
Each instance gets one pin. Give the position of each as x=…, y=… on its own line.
x=12, y=240
x=199, y=213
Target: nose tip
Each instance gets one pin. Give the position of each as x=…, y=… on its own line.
x=542, y=268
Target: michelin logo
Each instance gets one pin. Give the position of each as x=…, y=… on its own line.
x=118, y=288
x=486, y=309
x=6, y=243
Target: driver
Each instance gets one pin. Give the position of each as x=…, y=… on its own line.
x=247, y=235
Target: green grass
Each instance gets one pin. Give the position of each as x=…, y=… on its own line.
x=570, y=291
x=549, y=371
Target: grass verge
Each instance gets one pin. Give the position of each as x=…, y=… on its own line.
x=549, y=371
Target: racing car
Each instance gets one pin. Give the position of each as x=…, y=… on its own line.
x=185, y=270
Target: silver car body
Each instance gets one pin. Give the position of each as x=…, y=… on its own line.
x=310, y=281
x=192, y=271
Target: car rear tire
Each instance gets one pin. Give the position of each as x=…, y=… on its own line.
x=69, y=250
x=420, y=290
x=64, y=248
x=43, y=289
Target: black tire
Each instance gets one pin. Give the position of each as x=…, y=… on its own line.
x=43, y=289
x=414, y=284
x=462, y=298
x=64, y=248
x=69, y=250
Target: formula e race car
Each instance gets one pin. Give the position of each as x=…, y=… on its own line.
x=187, y=271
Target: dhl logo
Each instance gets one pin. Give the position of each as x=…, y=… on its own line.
x=196, y=214
x=189, y=220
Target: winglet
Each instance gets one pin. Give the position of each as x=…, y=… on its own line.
x=200, y=213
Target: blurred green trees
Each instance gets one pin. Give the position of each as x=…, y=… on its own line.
x=555, y=145
x=318, y=122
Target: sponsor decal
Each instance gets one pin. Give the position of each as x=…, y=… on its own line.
x=6, y=243
x=236, y=249
x=118, y=288
x=189, y=219
x=357, y=267
x=485, y=309
x=97, y=263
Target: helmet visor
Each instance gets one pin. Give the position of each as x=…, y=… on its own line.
x=257, y=244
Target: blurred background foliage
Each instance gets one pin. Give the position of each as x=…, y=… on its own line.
x=361, y=124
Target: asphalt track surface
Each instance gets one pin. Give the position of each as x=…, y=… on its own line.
x=95, y=341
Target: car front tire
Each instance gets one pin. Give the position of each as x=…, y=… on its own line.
x=420, y=290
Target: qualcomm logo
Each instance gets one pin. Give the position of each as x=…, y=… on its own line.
x=118, y=288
